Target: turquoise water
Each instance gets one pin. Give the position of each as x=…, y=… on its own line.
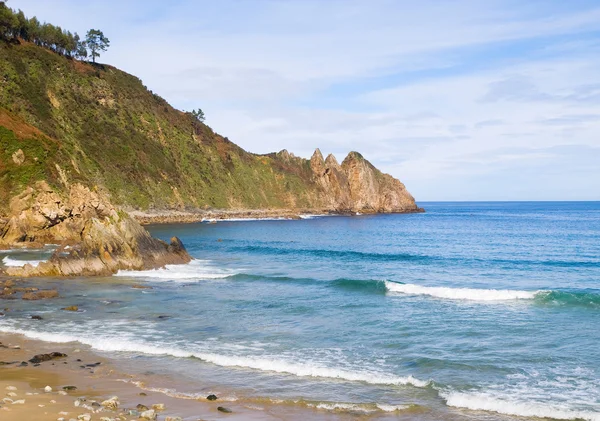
x=471, y=310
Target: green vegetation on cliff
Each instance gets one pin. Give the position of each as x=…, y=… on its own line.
x=78, y=122
x=66, y=121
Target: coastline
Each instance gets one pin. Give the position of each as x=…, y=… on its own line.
x=214, y=215
x=83, y=380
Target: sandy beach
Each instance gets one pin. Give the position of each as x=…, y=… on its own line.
x=86, y=386
x=83, y=384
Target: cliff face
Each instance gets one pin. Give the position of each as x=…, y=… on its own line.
x=69, y=123
x=95, y=238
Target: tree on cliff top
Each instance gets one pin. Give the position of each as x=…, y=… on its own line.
x=96, y=42
x=199, y=115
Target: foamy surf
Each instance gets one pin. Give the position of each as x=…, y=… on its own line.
x=484, y=402
x=118, y=344
x=10, y=262
x=472, y=294
x=310, y=370
x=195, y=270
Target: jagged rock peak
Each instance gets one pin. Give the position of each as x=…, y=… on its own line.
x=317, y=163
x=332, y=162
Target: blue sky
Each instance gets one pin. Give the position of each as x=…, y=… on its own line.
x=460, y=99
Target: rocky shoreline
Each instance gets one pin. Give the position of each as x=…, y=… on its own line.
x=93, y=236
x=215, y=215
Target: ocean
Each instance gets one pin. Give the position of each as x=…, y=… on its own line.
x=468, y=311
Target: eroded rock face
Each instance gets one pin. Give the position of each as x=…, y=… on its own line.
x=101, y=239
x=357, y=186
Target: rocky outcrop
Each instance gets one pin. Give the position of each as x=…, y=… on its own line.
x=357, y=186
x=95, y=238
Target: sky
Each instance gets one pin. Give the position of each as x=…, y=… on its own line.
x=459, y=99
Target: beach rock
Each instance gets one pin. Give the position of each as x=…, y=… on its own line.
x=69, y=387
x=19, y=402
x=84, y=417
x=46, y=357
x=225, y=410
x=12, y=388
x=37, y=318
x=70, y=308
x=148, y=415
x=11, y=394
x=212, y=397
x=141, y=407
x=102, y=239
x=158, y=406
x=111, y=403
x=47, y=389
x=23, y=364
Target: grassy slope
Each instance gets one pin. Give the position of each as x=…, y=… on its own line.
x=101, y=126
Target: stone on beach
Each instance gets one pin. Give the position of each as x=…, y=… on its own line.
x=47, y=389
x=111, y=403
x=46, y=357
x=70, y=308
x=223, y=409
x=212, y=397
x=158, y=406
x=149, y=414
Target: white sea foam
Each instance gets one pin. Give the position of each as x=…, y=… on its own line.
x=309, y=370
x=195, y=270
x=213, y=220
x=112, y=344
x=313, y=216
x=484, y=402
x=8, y=261
x=461, y=293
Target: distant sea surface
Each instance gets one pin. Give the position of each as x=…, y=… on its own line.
x=469, y=311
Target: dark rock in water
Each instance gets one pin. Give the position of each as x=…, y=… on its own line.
x=23, y=364
x=46, y=357
x=223, y=409
x=138, y=286
x=212, y=397
x=93, y=365
x=37, y=318
x=96, y=405
x=164, y=316
x=142, y=394
x=40, y=295
x=1, y=314
x=8, y=362
x=78, y=360
x=69, y=387
x=141, y=407
x=70, y=308
x=36, y=365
